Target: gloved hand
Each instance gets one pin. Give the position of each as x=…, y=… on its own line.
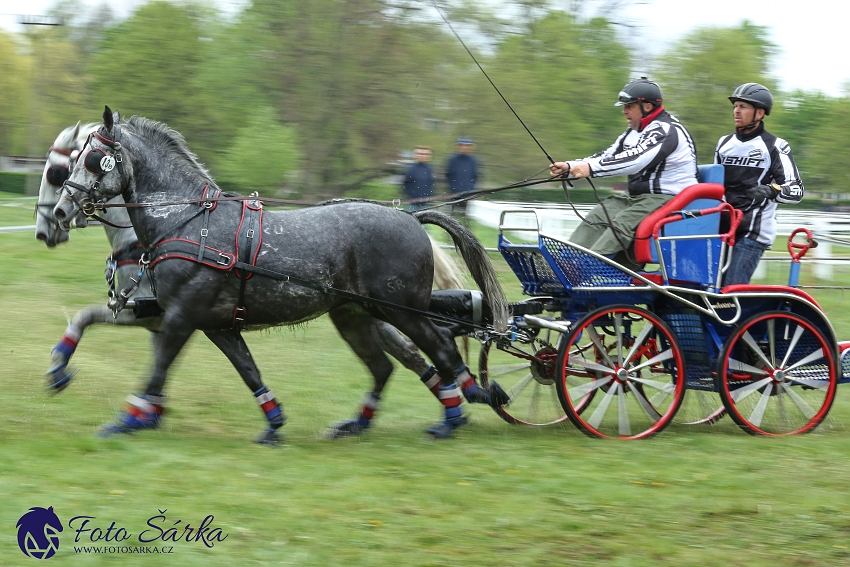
x=759, y=193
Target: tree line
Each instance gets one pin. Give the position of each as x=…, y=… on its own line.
x=317, y=98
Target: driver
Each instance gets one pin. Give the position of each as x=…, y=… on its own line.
x=759, y=172
x=659, y=157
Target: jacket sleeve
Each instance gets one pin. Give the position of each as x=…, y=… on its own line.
x=608, y=152
x=784, y=173
x=656, y=143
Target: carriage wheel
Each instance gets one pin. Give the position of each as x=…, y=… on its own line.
x=526, y=371
x=700, y=407
x=778, y=374
x=631, y=361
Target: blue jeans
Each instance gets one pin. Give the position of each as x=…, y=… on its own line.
x=745, y=259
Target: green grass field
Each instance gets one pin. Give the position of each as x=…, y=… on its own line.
x=496, y=495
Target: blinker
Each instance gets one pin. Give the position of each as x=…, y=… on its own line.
x=98, y=162
x=57, y=174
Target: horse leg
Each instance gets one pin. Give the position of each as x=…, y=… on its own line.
x=145, y=411
x=442, y=351
x=400, y=347
x=357, y=329
x=59, y=376
x=231, y=343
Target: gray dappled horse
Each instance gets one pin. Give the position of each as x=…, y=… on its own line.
x=219, y=264
x=123, y=266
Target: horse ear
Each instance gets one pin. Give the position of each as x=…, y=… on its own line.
x=76, y=131
x=116, y=117
x=108, y=122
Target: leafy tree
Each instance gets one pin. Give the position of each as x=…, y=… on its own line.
x=149, y=65
x=15, y=86
x=358, y=80
x=813, y=124
x=699, y=72
x=562, y=77
x=262, y=155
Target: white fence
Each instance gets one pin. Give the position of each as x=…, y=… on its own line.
x=831, y=229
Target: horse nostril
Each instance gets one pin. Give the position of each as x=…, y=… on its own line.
x=59, y=213
x=41, y=236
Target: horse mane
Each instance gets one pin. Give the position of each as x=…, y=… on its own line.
x=170, y=140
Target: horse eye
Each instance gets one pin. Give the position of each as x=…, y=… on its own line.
x=57, y=174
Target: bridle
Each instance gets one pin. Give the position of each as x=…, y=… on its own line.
x=57, y=174
x=98, y=162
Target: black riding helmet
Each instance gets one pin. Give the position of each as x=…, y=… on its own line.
x=755, y=94
x=640, y=90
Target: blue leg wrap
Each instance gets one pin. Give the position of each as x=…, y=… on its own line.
x=272, y=410
x=141, y=412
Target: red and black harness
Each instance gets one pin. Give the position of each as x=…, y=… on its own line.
x=249, y=238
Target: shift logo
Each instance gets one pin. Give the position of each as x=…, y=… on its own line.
x=755, y=159
x=38, y=533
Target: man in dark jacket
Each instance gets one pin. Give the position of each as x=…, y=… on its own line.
x=419, y=179
x=462, y=169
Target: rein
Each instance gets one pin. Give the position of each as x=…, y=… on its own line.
x=450, y=199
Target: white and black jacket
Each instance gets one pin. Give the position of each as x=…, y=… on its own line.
x=758, y=158
x=660, y=158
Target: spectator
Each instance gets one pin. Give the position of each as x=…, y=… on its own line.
x=462, y=170
x=419, y=179
x=759, y=172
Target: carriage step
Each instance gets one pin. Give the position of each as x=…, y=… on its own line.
x=525, y=308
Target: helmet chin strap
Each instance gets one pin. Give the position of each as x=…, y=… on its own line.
x=750, y=126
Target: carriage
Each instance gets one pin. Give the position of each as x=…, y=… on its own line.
x=617, y=352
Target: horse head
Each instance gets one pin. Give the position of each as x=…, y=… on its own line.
x=60, y=159
x=105, y=173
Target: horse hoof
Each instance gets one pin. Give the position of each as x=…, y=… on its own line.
x=345, y=429
x=59, y=378
x=445, y=429
x=270, y=437
x=494, y=396
x=498, y=397
x=129, y=423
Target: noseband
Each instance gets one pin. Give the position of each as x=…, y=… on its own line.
x=98, y=162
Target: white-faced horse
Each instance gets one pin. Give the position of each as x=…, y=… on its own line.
x=358, y=262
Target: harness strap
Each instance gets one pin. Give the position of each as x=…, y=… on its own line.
x=185, y=249
x=208, y=206
x=249, y=236
x=129, y=254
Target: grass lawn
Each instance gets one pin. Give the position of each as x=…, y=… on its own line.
x=496, y=495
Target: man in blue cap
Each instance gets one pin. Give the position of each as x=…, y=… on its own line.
x=462, y=170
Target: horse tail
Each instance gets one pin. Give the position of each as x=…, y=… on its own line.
x=476, y=259
x=447, y=273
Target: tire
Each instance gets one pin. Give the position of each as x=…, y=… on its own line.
x=626, y=355
x=700, y=407
x=778, y=374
